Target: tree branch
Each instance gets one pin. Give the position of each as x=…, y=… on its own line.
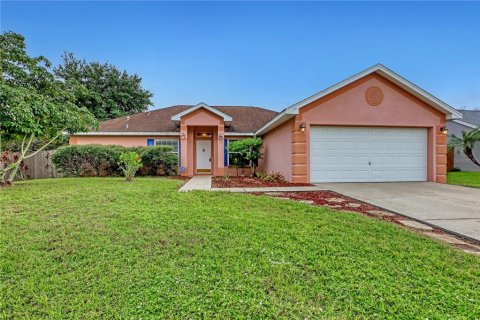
x=45, y=145
x=22, y=146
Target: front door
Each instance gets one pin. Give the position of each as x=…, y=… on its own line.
x=204, y=155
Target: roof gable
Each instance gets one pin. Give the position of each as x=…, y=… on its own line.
x=383, y=71
x=176, y=118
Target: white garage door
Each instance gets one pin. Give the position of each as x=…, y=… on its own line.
x=365, y=154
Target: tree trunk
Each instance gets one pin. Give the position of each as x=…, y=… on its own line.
x=21, y=157
x=13, y=173
x=469, y=153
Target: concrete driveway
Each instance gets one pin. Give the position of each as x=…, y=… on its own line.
x=450, y=207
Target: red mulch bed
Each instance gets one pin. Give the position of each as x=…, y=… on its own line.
x=329, y=199
x=338, y=201
x=250, y=182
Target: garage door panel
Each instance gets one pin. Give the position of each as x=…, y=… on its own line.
x=376, y=175
x=377, y=146
x=378, y=160
x=362, y=145
x=348, y=160
x=362, y=154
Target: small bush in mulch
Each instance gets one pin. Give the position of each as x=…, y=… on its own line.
x=251, y=182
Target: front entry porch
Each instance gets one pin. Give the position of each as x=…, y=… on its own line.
x=203, y=153
x=202, y=150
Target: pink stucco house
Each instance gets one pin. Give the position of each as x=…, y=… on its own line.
x=372, y=127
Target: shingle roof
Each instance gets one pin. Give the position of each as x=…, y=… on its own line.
x=471, y=116
x=244, y=119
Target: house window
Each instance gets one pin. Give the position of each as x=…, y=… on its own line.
x=232, y=157
x=169, y=143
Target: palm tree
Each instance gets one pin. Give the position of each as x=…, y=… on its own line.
x=466, y=143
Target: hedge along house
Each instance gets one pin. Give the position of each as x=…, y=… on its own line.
x=372, y=127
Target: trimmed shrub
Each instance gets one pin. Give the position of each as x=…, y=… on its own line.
x=160, y=161
x=102, y=160
x=87, y=160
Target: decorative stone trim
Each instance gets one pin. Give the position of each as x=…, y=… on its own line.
x=374, y=96
x=299, y=152
x=441, y=155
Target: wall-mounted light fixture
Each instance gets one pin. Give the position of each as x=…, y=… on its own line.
x=444, y=130
x=220, y=137
x=302, y=127
x=183, y=136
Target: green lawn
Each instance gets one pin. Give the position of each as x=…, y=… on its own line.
x=469, y=179
x=97, y=248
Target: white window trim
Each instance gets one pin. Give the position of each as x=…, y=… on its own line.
x=228, y=152
x=168, y=139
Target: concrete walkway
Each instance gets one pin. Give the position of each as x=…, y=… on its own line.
x=198, y=183
x=452, y=208
x=271, y=189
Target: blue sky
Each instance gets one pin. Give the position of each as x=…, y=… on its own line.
x=268, y=54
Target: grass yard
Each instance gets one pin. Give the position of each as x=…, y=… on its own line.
x=469, y=179
x=96, y=248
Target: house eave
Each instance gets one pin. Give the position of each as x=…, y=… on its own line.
x=465, y=124
x=278, y=120
x=239, y=134
x=130, y=133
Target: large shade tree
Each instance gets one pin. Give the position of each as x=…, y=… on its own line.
x=34, y=105
x=466, y=143
x=110, y=93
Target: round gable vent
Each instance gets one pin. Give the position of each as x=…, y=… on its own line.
x=374, y=96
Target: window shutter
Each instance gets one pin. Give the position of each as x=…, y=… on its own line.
x=179, y=152
x=225, y=152
x=150, y=142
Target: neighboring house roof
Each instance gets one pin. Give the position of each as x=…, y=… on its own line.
x=380, y=69
x=159, y=122
x=465, y=124
x=470, y=119
x=471, y=116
